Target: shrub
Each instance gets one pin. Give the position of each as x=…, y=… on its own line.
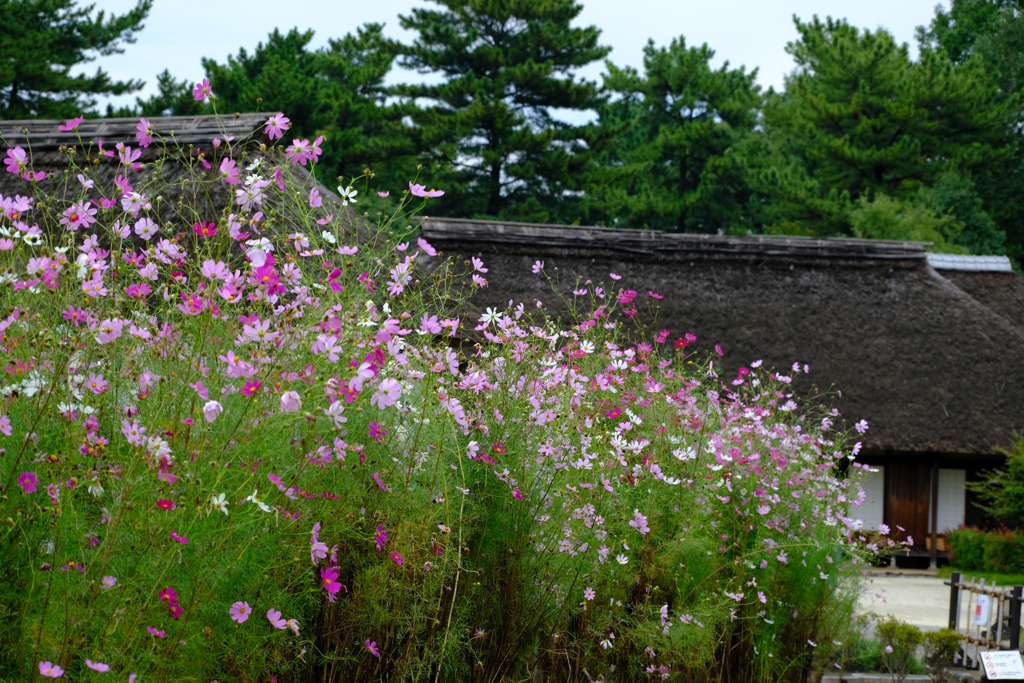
x=267, y=443
x=967, y=549
x=1004, y=551
x=939, y=649
x=898, y=646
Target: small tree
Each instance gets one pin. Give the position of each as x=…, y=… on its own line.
x=43, y=40
x=899, y=641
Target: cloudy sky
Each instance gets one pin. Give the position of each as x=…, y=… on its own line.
x=752, y=33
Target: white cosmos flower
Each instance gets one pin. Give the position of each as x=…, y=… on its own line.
x=253, y=499
x=347, y=194
x=621, y=559
x=328, y=236
x=218, y=502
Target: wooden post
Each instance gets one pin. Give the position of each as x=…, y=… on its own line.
x=1015, y=600
x=935, y=514
x=954, y=600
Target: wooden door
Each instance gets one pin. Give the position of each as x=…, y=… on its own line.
x=906, y=501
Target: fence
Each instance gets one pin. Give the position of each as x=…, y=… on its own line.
x=993, y=617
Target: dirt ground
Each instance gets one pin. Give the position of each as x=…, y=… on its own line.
x=916, y=598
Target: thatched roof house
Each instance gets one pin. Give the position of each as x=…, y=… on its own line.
x=930, y=353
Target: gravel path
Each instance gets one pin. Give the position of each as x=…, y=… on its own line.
x=916, y=599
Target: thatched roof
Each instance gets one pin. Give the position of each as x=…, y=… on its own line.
x=179, y=142
x=935, y=368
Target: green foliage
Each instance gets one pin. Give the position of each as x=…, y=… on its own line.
x=1002, y=490
x=898, y=643
x=678, y=122
x=1000, y=551
x=336, y=91
x=888, y=219
x=967, y=549
x=860, y=119
x=1004, y=552
x=42, y=41
x=991, y=33
x=939, y=648
x=487, y=127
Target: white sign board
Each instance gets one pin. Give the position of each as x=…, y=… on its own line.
x=981, y=611
x=1003, y=666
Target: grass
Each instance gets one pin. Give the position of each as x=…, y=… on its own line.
x=999, y=579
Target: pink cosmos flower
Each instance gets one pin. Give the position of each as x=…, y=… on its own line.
x=318, y=549
x=155, y=632
x=71, y=124
x=425, y=246
x=274, y=616
x=145, y=133
x=290, y=402
x=380, y=537
x=28, y=481
x=109, y=582
x=78, y=215
x=240, y=612
x=276, y=126
x=387, y=394
x=17, y=160
x=202, y=90
x=97, y=666
x=517, y=494
x=421, y=191
x=50, y=670
x=538, y=266
x=211, y=410
x=639, y=522
x=96, y=384
x=372, y=647
x=229, y=171
x=314, y=198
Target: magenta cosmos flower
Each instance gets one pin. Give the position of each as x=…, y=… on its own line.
x=240, y=612
x=202, y=90
x=28, y=481
x=276, y=126
x=372, y=647
x=165, y=504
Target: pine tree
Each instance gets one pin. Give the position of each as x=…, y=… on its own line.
x=43, y=40
x=489, y=132
x=336, y=91
x=860, y=119
x=990, y=32
x=682, y=118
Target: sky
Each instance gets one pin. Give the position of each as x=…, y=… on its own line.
x=752, y=33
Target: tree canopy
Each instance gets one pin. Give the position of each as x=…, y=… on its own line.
x=42, y=41
x=863, y=139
